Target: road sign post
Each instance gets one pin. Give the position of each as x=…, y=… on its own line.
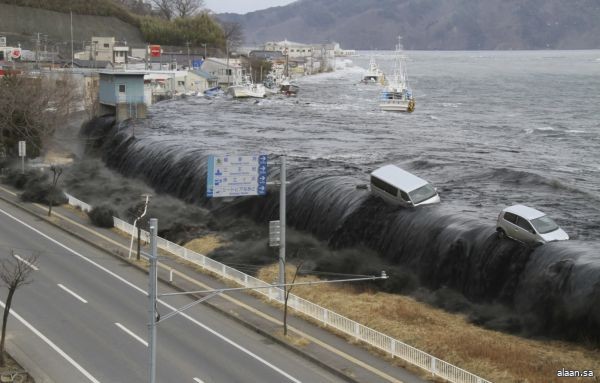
x=274, y=233
x=152, y=285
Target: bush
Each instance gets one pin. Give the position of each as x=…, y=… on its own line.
x=40, y=192
x=102, y=216
x=15, y=178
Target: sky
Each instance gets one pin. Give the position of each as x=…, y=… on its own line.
x=242, y=6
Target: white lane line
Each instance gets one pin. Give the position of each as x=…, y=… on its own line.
x=72, y=293
x=25, y=262
x=198, y=380
x=128, y=331
x=125, y=281
x=51, y=344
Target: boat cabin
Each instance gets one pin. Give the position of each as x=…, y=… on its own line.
x=399, y=187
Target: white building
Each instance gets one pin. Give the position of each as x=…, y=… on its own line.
x=225, y=72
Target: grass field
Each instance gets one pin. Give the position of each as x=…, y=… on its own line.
x=496, y=356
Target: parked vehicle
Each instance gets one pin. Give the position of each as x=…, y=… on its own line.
x=528, y=225
x=400, y=187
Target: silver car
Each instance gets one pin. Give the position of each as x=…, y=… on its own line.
x=528, y=225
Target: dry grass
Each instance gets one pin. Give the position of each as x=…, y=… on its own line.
x=205, y=245
x=495, y=356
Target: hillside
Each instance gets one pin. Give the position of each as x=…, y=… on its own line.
x=21, y=25
x=430, y=24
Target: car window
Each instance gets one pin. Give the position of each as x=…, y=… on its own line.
x=510, y=217
x=544, y=224
x=384, y=186
x=523, y=223
x=422, y=194
x=403, y=195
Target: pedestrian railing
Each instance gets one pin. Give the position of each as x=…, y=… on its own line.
x=328, y=318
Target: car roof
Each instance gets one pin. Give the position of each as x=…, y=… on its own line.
x=399, y=178
x=525, y=211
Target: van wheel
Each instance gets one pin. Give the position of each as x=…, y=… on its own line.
x=501, y=233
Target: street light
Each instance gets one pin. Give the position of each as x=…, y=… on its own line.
x=153, y=296
x=146, y=198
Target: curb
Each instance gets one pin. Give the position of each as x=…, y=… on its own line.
x=229, y=315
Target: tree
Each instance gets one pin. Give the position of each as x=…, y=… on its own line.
x=186, y=8
x=14, y=273
x=288, y=290
x=233, y=34
x=56, y=172
x=31, y=108
x=180, y=8
x=165, y=8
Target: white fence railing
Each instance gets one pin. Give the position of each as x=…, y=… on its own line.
x=396, y=348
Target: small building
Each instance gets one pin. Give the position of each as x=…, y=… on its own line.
x=226, y=73
x=122, y=93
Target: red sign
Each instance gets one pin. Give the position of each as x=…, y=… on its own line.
x=155, y=50
x=15, y=53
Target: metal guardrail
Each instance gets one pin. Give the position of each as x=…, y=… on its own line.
x=394, y=347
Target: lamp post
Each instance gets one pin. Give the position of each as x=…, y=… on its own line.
x=153, y=296
x=146, y=198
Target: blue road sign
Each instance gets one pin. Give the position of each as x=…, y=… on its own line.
x=235, y=175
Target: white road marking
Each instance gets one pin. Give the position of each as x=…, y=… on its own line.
x=125, y=281
x=25, y=262
x=198, y=380
x=72, y=293
x=128, y=331
x=51, y=344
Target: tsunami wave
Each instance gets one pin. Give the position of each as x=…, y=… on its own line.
x=553, y=289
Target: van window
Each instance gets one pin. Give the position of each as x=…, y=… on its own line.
x=384, y=186
x=523, y=223
x=404, y=196
x=510, y=217
x=422, y=194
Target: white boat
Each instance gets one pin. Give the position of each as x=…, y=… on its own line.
x=245, y=88
x=397, y=95
x=288, y=88
x=374, y=75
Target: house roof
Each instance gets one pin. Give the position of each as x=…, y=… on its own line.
x=206, y=75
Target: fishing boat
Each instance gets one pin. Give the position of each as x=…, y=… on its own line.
x=288, y=88
x=397, y=95
x=374, y=75
x=245, y=88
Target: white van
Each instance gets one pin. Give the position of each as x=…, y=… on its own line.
x=400, y=187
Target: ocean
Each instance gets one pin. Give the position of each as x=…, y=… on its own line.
x=490, y=129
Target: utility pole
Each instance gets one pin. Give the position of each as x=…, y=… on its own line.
x=204, y=45
x=187, y=43
x=37, y=51
x=228, y=70
x=72, y=50
x=282, y=222
x=152, y=277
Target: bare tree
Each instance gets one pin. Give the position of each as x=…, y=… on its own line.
x=165, y=7
x=31, y=108
x=14, y=273
x=186, y=8
x=56, y=172
x=233, y=34
x=288, y=290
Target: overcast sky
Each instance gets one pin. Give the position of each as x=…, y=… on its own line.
x=242, y=6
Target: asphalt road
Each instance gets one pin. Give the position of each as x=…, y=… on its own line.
x=84, y=319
